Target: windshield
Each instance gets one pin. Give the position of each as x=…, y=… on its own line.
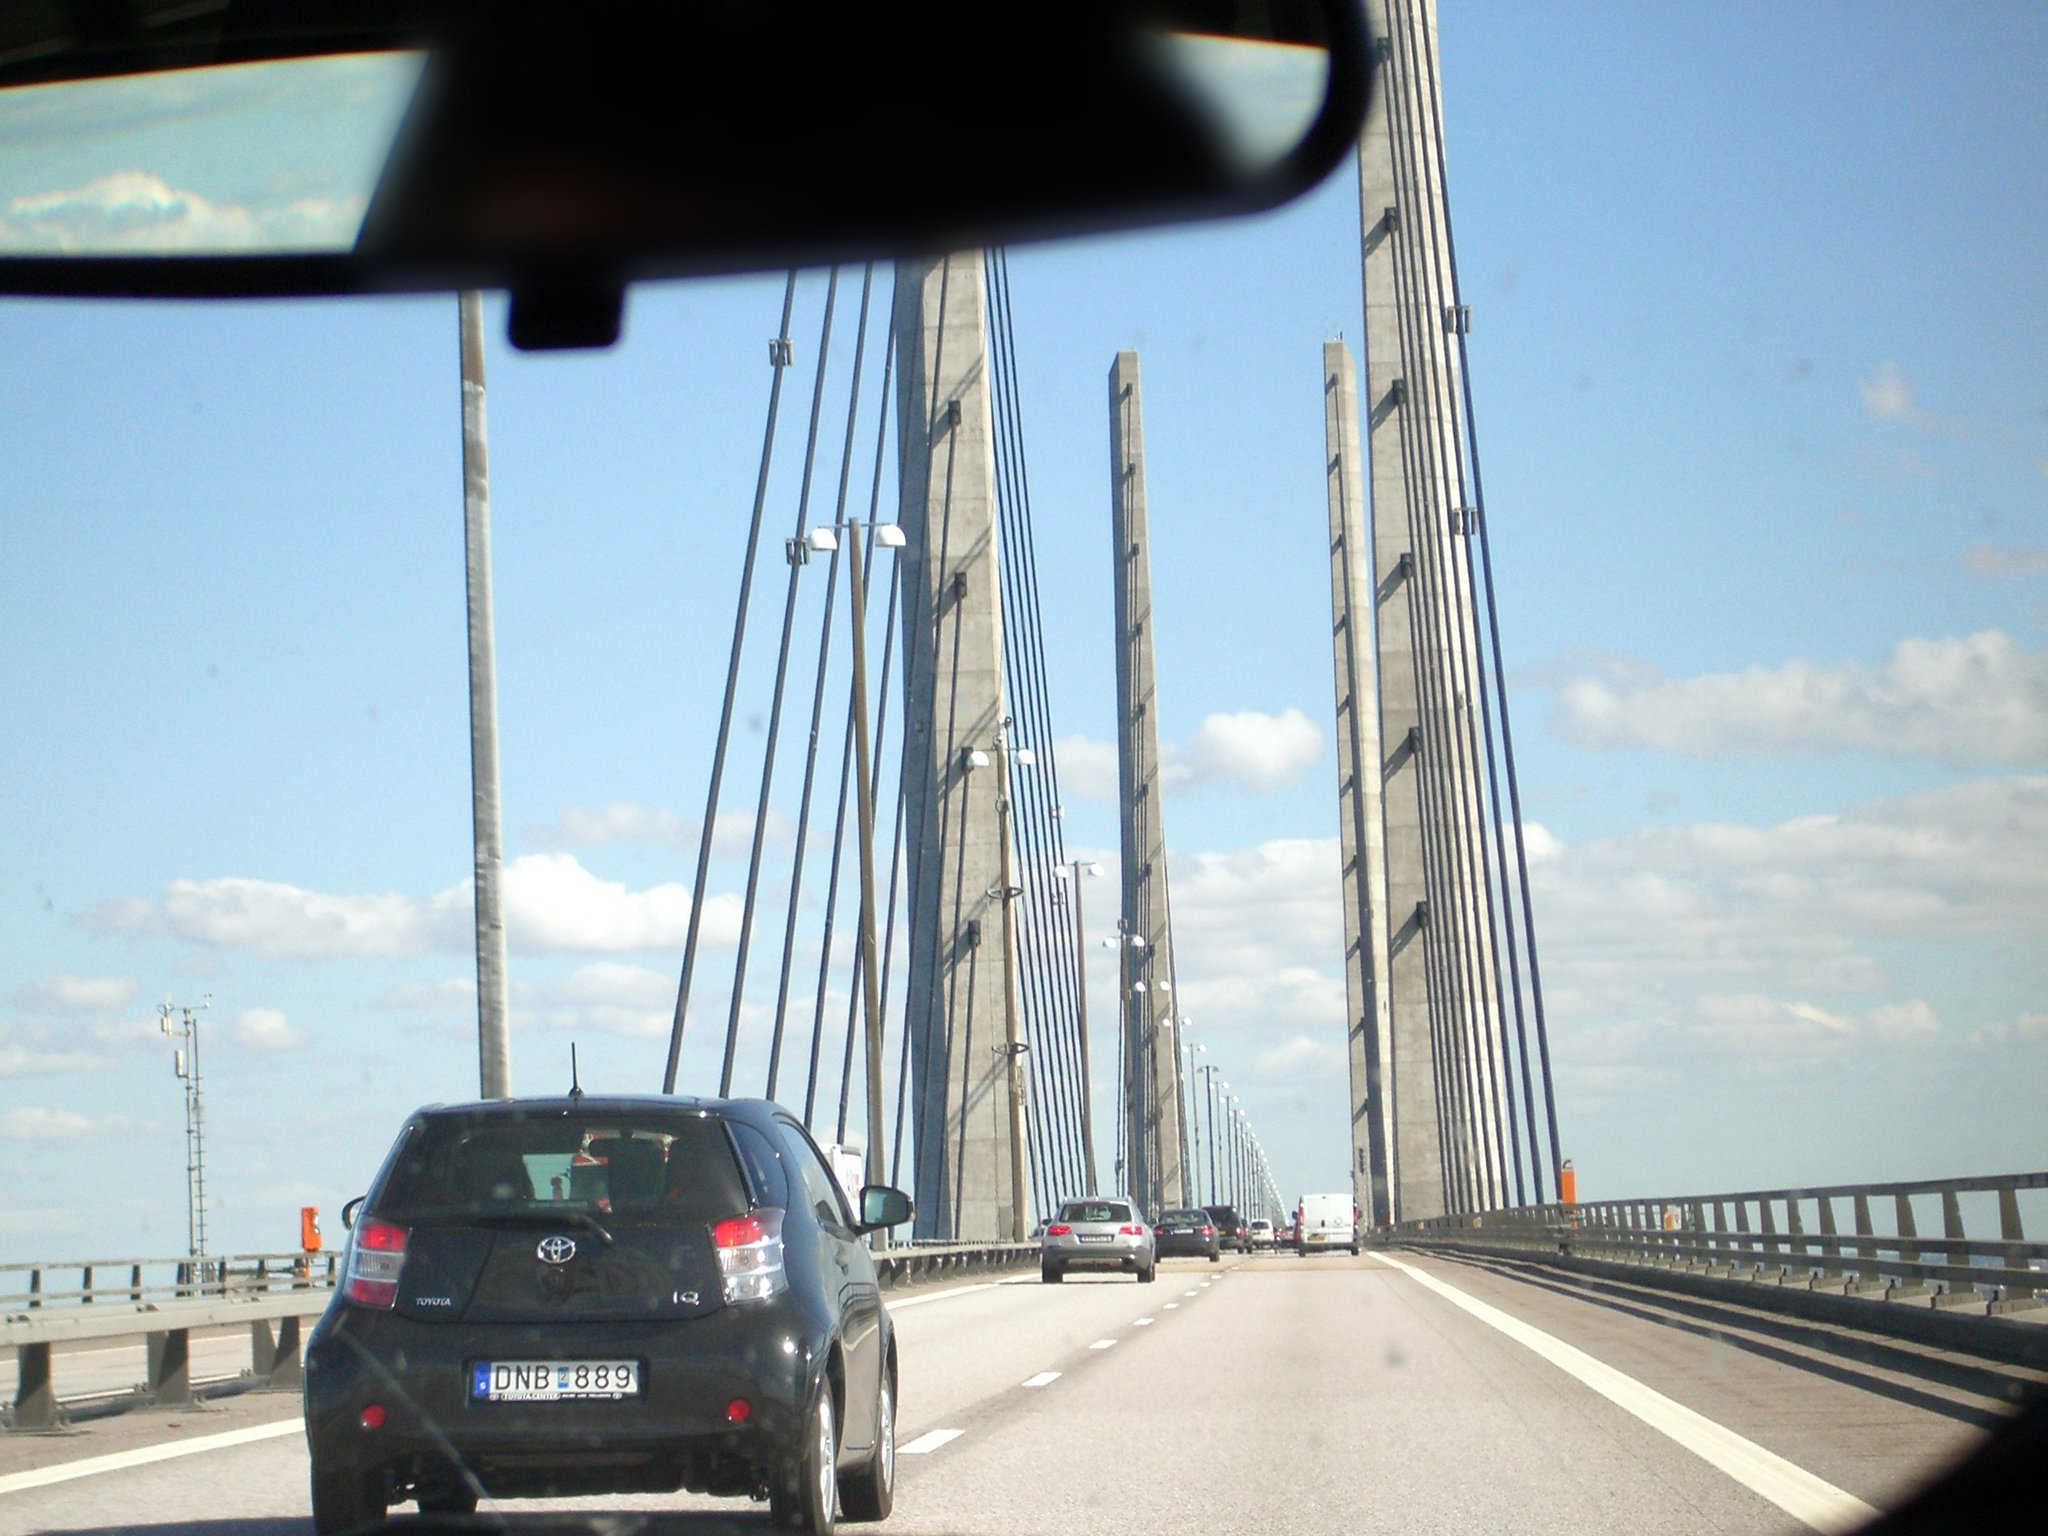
x=1482, y=733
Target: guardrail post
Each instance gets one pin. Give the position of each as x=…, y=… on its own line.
x=35, y=1287
x=1717, y=1259
x=135, y=1283
x=35, y=1403
x=1767, y=1239
x=1957, y=1294
x=2017, y=1297
x=85, y=1284
x=1909, y=1250
x=1795, y=1231
x=1866, y=1252
x=275, y=1358
x=170, y=1366
x=1830, y=1250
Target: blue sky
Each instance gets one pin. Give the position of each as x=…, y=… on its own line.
x=1758, y=361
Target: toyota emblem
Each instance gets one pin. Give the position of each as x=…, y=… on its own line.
x=555, y=1250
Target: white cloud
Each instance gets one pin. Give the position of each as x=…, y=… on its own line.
x=456, y=994
x=607, y=997
x=552, y=905
x=1250, y=750
x=1256, y=912
x=267, y=1029
x=33, y=1124
x=1087, y=768
x=28, y=1057
x=65, y=994
x=1304, y=1056
x=626, y=821
x=1983, y=698
x=1886, y=396
x=135, y=213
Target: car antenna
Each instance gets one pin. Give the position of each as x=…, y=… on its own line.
x=575, y=1082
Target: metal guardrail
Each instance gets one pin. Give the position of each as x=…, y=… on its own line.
x=28, y=1287
x=1797, y=1239
x=272, y=1294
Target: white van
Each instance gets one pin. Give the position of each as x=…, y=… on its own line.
x=1324, y=1222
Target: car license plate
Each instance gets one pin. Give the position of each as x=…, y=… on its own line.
x=553, y=1381
x=1090, y=1237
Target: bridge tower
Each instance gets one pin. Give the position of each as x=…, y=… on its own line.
x=1436, y=936
x=967, y=1075
x=1157, y=1172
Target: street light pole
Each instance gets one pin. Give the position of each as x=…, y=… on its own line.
x=186, y=1063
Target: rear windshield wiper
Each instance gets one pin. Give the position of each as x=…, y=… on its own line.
x=583, y=1219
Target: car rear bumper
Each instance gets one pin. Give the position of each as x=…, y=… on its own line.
x=1120, y=1253
x=676, y=1433
x=1176, y=1245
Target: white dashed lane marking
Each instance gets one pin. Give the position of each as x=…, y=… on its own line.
x=1143, y=1322
x=1042, y=1379
x=930, y=1441
x=1103, y=1344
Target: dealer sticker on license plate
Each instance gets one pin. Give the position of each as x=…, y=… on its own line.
x=553, y=1381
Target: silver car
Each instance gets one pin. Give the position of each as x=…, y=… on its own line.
x=1097, y=1234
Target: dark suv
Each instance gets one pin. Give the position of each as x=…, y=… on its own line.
x=582, y=1295
x=1230, y=1231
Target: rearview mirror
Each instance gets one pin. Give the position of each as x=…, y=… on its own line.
x=563, y=148
x=881, y=1206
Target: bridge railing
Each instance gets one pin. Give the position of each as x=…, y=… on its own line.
x=30, y=1287
x=1906, y=1242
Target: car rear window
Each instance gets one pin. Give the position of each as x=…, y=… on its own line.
x=1182, y=1218
x=654, y=1166
x=1094, y=1210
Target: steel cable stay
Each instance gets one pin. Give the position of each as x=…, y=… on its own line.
x=774, y=725
x=1420, y=59
x=1056, y=1154
x=779, y=357
x=1507, y=735
x=1432, y=462
x=1443, y=276
x=797, y=552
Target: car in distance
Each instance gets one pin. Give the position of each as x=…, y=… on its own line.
x=1187, y=1232
x=1262, y=1232
x=1097, y=1234
x=1230, y=1228
x=1325, y=1222
x=548, y=1297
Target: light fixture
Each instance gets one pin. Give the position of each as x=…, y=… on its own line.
x=822, y=539
x=974, y=757
x=1166, y=987
x=1026, y=758
x=1137, y=986
x=890, y=536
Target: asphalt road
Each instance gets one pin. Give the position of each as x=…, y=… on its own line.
x=1270, y=1394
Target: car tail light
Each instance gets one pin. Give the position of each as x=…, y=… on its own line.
x=1132, y=1231
x=1208, y=1231
x=749, y=1252
x=375, y=1256
x=1058, y=1229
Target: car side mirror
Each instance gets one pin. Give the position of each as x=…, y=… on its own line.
x=881, y=1206
x=348, y=1213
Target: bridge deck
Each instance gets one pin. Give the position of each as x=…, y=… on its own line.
x=1266, y=1394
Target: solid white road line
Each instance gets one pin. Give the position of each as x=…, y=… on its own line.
x=1804, y=1497
x=1103, y=1344
x=89, y=1466
x=958, y=1290
x=930, y=1441
x=1042, y=1379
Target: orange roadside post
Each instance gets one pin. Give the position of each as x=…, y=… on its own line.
x=1567, y=1184
x=309, y=1228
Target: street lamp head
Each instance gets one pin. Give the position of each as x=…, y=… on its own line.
x=973, y=757
x=1025, y=757
x=890, y=536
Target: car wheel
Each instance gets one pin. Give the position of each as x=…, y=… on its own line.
x=1051, y=1274
x=1354, y=1250
x=1148, y=1274
x=807, y=1495
x=344, y=1500
x=870, y=1493
x=1215, y=1258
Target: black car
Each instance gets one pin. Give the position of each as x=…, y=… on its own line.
x=1230, y=1231
x=1188, y=1232
x=582, y=1295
